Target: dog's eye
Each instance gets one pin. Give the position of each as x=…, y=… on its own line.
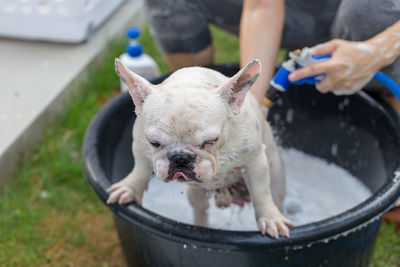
x=209, y=143
x=155, y=144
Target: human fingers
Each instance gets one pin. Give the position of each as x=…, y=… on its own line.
x=324, y=86
x=310, y=70
x=325, y=48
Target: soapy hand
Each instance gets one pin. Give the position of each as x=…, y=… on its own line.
x=352, y=66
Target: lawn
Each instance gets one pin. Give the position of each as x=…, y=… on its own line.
x=48, y=214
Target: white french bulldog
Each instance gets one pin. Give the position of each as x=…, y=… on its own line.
x=201, y=127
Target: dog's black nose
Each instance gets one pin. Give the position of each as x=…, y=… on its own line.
x=181, y=159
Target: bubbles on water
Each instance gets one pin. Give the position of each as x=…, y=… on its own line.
x=292, y=207
x=311, y=195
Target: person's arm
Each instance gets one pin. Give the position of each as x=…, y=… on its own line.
x=260, y=35
x=353, y=64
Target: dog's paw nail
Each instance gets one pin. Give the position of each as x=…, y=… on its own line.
x=110, y=200
x=113, y=187
x=273, y=227
x=262, y=226
x=127, y=197
x=282, y=229
x=121, y=194
x=272, y=230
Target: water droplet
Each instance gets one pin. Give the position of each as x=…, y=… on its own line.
x=334, y=150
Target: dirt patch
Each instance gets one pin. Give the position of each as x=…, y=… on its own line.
x=91, y=241
x=393, y=216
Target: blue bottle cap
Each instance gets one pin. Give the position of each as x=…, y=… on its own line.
x=134, y=50
x=133, y=32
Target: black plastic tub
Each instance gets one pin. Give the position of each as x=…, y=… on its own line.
x=366, y=135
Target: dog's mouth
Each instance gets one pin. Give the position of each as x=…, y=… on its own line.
x=181, y=176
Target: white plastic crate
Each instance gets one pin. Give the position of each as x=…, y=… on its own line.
x=53, y=20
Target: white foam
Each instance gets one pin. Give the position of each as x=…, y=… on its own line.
x=316, y=190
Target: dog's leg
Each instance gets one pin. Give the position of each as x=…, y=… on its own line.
x=199, y=200
x=131, y=188
x=277, y=172
x=257, y=177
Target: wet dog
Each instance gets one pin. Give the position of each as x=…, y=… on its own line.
x=204, y=129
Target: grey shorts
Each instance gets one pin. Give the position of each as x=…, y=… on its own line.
x=181, y=26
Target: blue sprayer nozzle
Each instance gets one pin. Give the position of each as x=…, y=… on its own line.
x=316, y=78
x=280, y=82
x=281, y=79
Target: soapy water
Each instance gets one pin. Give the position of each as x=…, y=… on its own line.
x=315, y=190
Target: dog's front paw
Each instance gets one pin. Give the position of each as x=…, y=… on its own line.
x=123, y=194
x=274, y=226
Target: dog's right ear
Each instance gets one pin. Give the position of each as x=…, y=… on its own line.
x=139, y=88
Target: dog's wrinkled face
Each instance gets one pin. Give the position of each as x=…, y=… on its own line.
x=185, y=117
x=183, y=127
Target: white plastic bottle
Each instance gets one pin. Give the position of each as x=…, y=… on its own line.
x=137, y=61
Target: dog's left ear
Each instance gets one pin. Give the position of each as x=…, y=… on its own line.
x=235, y=89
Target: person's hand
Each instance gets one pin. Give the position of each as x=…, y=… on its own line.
x=352, y=65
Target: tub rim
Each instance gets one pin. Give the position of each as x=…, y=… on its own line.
x=359, y=216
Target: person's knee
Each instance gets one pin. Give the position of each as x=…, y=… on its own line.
x=359, y=20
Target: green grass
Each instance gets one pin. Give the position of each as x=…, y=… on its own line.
x=48, y=213
x=387, y=248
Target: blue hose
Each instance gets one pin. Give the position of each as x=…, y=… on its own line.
x=281, y=81
x=389, y=83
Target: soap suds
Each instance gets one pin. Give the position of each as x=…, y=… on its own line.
x=316, y=190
